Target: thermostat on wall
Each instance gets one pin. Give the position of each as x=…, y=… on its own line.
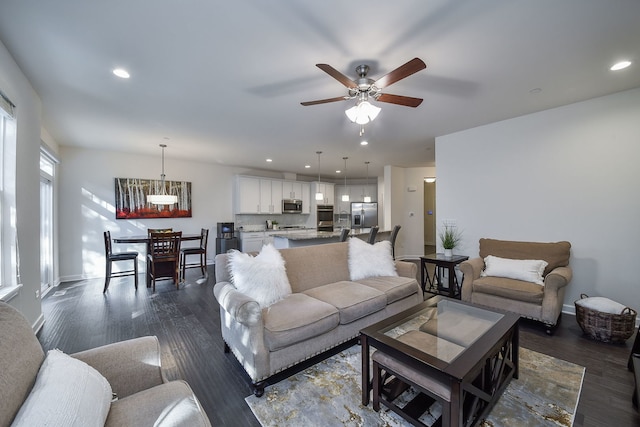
x=411, y=188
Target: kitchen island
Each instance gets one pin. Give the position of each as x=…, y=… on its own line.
x=313, y=237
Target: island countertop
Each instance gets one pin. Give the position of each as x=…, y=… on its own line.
x=315, y=237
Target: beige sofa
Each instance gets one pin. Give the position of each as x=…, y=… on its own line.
x=132, y=368
x=324, y=310
x=530, y=300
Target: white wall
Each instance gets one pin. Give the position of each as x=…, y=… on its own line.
x=569, y=173
x=88, y=195
x=28, y=119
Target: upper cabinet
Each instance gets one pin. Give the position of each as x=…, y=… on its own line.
x=247, y=195
x=254, y=195
x=327, y=190
x=270, y=196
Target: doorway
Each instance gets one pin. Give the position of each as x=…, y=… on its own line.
x=429, y=217
x=47, y=168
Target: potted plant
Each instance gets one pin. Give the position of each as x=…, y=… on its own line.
x=275, y=224
x=450, y=237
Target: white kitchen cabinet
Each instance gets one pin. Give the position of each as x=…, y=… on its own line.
x=306, y=197
x=252, y=241
x=270, y=196
x=255, y=195
x=247, y=195
x=327, y=190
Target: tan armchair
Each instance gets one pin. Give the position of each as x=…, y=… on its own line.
x=542, y=303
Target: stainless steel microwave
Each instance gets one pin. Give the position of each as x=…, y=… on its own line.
x=291, y=206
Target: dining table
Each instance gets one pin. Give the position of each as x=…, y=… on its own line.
x=146, y=239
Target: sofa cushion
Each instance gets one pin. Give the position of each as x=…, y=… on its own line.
x=353, y=300
x=67, y=392
x=296, y=318
x=262, y=277
x=169, y=404
x=366, y=260
x=529, y=270
x=316, y=265
x=556, y=254
x=510, y=288
x=395, y=288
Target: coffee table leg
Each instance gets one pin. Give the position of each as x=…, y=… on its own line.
x=364, y=344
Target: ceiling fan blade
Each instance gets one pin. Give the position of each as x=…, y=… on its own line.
x=407, y=101
x=350, y=84
x=324, y=101
x=411, y=67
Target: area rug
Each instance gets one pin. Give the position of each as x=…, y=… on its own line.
x=328, y=394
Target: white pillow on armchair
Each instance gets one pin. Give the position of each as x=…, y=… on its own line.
x=528, y=270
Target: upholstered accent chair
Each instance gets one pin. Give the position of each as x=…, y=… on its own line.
x=513, y=290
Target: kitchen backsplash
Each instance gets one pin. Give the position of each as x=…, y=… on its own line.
x=258, y=222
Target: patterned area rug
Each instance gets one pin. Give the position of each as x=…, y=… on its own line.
x=328, y=394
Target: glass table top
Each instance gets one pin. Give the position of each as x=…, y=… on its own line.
x=443, y=330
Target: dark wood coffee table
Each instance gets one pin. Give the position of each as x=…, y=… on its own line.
x=476, y=352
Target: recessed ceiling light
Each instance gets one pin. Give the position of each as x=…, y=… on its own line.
x=364, y=142
x=269, y=160
x=620, y=65
x=338, y=171
x=535, y=90
x=307, y=166
x=122, y=73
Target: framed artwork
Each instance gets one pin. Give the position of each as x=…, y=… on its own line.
x=131, y=198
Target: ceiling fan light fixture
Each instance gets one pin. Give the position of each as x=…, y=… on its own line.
x=363, y=113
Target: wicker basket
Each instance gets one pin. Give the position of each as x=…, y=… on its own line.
x=606, y=327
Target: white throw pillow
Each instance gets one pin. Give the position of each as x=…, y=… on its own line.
x=263, y=277
x=366, y=260
x=529, y=270
x=601, y=304
x=67, y=392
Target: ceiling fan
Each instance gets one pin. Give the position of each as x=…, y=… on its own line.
x=364, y=88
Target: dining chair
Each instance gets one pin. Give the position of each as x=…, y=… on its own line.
x=112, y=257
x=344, y=234
x=201, y=251
x=372, y=235
x=392, y=239
x=163, y=258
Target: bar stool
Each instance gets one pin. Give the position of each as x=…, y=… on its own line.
x=372, y=235
x=344, y=234
x=392, y=239
x=201, y=251
x=114, y=257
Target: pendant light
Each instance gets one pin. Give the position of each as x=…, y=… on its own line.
x=345, y=196
x=163, y=198
x=319, y=195
x=367, y=199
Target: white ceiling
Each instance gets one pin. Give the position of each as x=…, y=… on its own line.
x=223, y=80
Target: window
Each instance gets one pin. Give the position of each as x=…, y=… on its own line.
x=9, y=261
x=47, y=175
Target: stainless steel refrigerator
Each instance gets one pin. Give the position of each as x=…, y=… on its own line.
x=364, y=215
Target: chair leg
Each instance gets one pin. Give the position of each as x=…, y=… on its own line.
x=203, y=263
x=135, y=272
x=107, y=276
x=183, y=262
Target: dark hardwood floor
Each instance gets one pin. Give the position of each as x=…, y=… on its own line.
x=186, y=321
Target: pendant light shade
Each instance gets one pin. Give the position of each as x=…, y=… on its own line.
x=367, y=199
x=345, y=196
x=319, y=195
x=162, y=198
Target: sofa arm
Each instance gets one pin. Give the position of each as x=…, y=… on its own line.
x=471, y=270
x=241, y=307
x=558, y=278
x=129, y=366
x=407, y=269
